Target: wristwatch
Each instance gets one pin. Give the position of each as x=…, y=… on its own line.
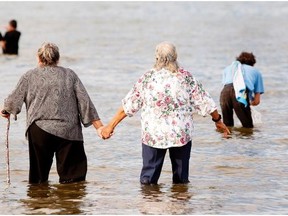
x=218, y=119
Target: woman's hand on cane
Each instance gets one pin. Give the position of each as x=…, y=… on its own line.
x=5, y=114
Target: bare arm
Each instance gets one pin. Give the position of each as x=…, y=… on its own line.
x=3, y=44
x=108, y=130
x=256, y=100
x=98, y=126
x=219, y=124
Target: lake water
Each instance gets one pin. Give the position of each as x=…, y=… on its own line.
x=110, y=45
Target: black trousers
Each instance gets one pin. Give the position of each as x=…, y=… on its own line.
x=153, y=159
x=229, y=103
x=71, y=159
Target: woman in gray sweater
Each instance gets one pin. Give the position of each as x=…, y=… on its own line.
x=57, y=103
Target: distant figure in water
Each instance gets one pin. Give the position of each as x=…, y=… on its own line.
x=57, y=103
x=9, y=42
x=168, y=96
x=242, y=68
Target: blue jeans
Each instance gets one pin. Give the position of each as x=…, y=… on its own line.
x=153, y=159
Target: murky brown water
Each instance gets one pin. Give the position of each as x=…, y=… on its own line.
x=110, y=45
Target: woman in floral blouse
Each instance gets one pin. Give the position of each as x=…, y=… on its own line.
x=167, y=96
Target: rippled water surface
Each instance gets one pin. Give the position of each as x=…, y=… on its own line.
x=109, y=45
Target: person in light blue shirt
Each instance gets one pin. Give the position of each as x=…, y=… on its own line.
x=254, y=88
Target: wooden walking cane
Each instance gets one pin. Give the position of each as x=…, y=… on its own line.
x=7, y=147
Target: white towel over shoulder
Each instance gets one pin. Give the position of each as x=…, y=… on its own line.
x=238, y=83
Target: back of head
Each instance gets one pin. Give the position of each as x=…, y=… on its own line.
x=246, y=58
x=166, y=57
x=48, y=54
x=13, y=24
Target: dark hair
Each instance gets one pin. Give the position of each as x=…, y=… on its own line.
x=13, y=23
x=246, y=58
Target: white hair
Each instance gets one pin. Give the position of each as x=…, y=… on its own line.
x=48, y=54
x=166, y=57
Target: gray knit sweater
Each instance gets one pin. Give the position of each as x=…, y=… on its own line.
x=56, y=101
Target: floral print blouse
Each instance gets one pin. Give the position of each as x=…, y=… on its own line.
x=167, y=101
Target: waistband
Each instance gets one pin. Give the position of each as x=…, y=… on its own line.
x=228, y=85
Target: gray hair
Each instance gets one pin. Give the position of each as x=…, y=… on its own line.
x=48, y=54
x=166, y=57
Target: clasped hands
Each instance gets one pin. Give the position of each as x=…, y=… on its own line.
x=105, y=132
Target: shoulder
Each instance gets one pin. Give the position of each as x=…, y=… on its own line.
x=71, y=75
x=250, y=69
x=28, y=75
x=67, y=71
x=64, y=69
x=228, y=68
x=149, y=73
x=146, y=76
x=187, y=77
x=31, y=72
x=185, y=74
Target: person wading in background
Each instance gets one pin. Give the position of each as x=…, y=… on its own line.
x=9, y=42
x=253, y=87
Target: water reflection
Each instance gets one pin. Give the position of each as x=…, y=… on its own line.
x=242, y=133
x=55, y=198
x=158, y=199
x=151, y=192
x=180, y=192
